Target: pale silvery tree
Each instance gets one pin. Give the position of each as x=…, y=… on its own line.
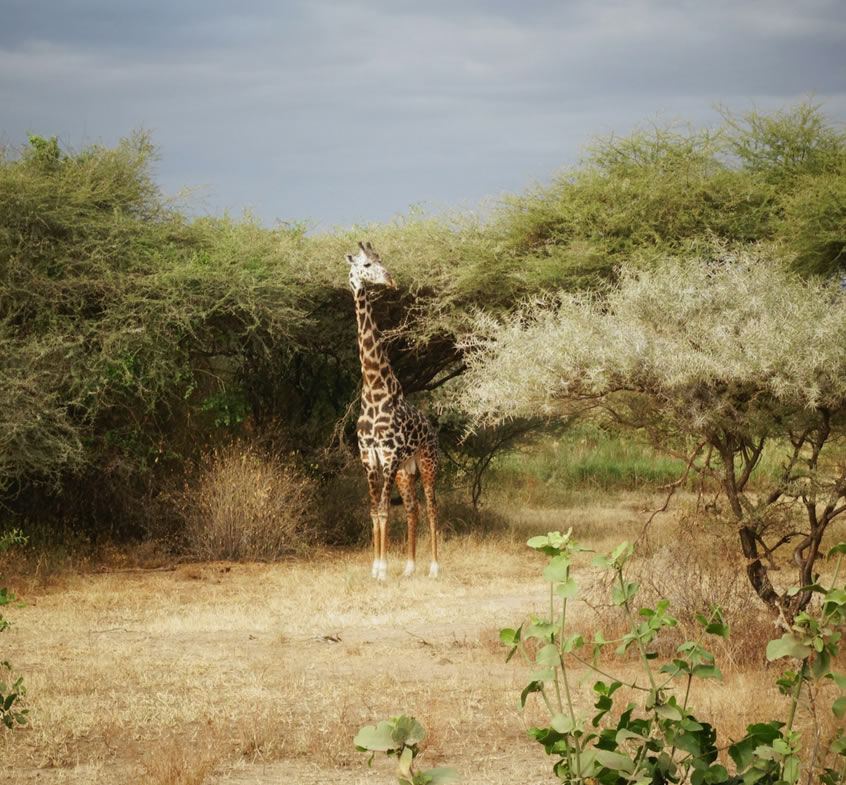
x=714, y=360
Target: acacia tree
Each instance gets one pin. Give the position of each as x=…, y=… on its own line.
x=715, y=361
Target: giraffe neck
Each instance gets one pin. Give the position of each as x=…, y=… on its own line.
x=376, y=373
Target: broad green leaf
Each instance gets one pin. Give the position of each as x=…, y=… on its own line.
x=668, y=712
x=587, y=761
x=765, y=752
x=620, y=595
x=548, y=655
x=567, y=589
x=839, y=679
x=623, y=548
x=708, y=672
x=561, y=723
x=839, y=707
x=790, y=769
x=821, y=664
x=538, y=542
x=557, y=569
x=839, y=548
x=408, y=731
x=542, y=630
x=688, y=742
x=623, y=735
x=441, y=776
x=615, y=761
x=787, y=646
x=532, y=686
x=552, y=544
x=378, y=738
x=715, y=774
x=510, y=637
x=675, y=668
x=794, y=590
x=572, y=642
x=743, y=752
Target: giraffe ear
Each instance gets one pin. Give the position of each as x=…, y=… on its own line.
x=348, y=257
x=361, y=245
x=369, y=247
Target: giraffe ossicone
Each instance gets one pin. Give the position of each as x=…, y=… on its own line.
x=396, y=441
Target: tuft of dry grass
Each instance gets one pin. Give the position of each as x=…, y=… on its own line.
x=183, y=762
x=242, y=503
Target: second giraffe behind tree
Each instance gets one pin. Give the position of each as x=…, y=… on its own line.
x=395, y=439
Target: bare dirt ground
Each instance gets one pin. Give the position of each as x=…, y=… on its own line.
x=224, y=674
x=252, y=673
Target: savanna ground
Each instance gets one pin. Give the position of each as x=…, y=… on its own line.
x=257, y=673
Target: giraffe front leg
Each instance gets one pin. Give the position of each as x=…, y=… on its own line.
x=379, y=568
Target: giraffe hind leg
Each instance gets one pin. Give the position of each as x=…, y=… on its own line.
x=407, y=486
x=429, y=475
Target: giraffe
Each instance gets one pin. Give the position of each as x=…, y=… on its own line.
x=395, y=439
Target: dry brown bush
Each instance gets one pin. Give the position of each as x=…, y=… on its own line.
x=697, y=568
x=244, y=504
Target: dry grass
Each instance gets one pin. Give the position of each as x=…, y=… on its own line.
x=249, y=673
x=242, y=503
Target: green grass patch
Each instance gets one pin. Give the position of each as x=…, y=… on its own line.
x=586, y=458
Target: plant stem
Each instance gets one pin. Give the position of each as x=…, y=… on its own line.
x=795, y=701
x=575, y=738
x=601, y=672
x=687, y=690
x=633, y=624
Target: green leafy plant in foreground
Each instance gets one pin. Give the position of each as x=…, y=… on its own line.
x=656, y=738
x=10, y=693
x=400, y=737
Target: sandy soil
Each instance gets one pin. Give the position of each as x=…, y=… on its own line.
x=245, y=673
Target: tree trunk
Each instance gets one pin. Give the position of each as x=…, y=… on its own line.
x=756, y=571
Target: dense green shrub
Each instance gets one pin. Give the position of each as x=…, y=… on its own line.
x=130, y=335
x=135, y=337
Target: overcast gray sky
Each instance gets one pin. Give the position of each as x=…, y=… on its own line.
x=339, y=112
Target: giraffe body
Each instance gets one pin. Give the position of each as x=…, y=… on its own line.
x=396, y=441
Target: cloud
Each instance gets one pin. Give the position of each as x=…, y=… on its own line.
x=352, y=111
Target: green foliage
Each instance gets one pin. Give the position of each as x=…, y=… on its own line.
x=400, y=737
x=10, y=693
x=656, y=737
x=133, y=336
x=130, y=335
x=669, y=188
x=785, y=144
x=802, y=157
x=584, y=456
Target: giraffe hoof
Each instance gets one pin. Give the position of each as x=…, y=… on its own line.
x=409, y=569
x=380, y=570
x=433, y=570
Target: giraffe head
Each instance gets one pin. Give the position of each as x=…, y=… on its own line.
x=366, y=267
